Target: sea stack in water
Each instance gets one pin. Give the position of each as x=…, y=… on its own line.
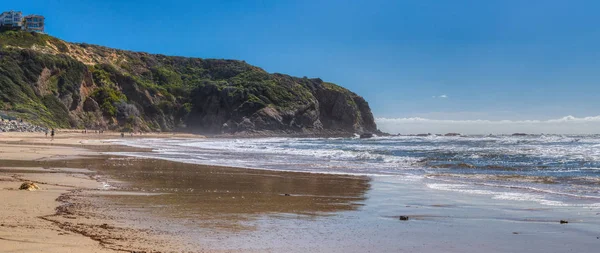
x=366, y=135
x=452, y=134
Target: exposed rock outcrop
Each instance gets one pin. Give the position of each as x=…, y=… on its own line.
x=18, y=126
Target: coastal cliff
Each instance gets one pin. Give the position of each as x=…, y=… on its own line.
x=54, y=83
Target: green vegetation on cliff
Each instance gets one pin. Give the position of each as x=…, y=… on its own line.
x=21, y=70
x=29, y=40
x=60, y=84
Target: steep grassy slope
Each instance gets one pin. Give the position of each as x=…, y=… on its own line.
x=62, y=84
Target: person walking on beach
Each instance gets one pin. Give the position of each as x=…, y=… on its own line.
x=46, y=133
x=52, y=134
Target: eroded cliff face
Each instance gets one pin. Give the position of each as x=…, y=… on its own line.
x=61, y=84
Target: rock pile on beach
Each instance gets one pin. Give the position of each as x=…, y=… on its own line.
x=19, y=126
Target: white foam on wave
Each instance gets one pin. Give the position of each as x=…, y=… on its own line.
x=244, y=165
x=549, y=146
x=338, y=152
x=106, y=186
x=458, y=188
x=383, y=153
x=504, y=195
x=385, y=156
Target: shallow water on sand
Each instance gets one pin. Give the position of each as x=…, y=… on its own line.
x=232, y=209
x=207, y=205
x=551, y=170
x=209, y=192
x=248, y=210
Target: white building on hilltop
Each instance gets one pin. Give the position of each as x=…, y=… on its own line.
x=11, y=19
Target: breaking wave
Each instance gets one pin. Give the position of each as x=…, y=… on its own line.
x=558, y=167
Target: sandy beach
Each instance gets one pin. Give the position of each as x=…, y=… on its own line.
x=26, y=224
x=90, y=202
x=41, y=221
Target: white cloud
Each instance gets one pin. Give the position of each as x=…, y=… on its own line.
x=441, y=96
x=565, y=125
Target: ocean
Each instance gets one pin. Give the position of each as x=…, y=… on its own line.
x=548, y=170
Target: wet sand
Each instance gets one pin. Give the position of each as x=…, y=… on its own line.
x=123, y=204
x=42, y=220
x=196, y=208
x=181, y=205
x=24, y=218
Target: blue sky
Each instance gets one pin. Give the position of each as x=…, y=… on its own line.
x=493, y=59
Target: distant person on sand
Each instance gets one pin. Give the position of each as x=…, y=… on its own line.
x=122, y=134
x=52, y=134
x=46, y=132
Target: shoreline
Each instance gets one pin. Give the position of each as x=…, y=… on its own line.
x=203, y=208
x=26, y=216
x=69, y=189
x=43, y=220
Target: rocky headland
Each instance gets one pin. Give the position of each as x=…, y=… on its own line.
x=53, y=83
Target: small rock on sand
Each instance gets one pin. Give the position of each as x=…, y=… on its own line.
x=402, y=217
x=29, y=186
x=105, y=226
